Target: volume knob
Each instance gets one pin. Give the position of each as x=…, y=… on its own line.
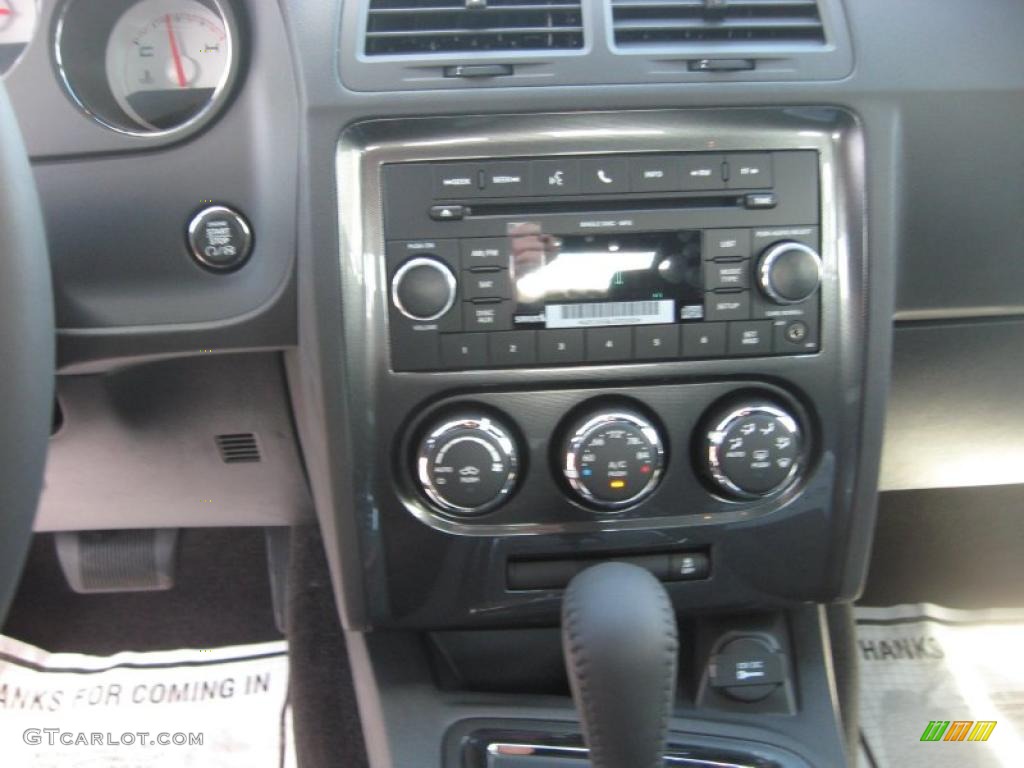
x=423, y=289
x=789, y=272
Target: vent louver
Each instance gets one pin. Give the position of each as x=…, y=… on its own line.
x=396, y=27
x=649, y=23
x=238, y=448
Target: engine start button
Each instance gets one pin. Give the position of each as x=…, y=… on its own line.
x=219, y=238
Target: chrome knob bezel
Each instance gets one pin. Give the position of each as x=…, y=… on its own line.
x=715, y=436
x=500, y=438
x=579, y=436
x=768, y=259
x=423, y=261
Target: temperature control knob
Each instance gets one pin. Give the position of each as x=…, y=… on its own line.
x=789, y=272
x=423, y=289
x=613, y=459
x=467, y=464
x=752, y=450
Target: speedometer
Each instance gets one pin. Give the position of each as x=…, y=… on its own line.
x=163, y=65
x=166, y=60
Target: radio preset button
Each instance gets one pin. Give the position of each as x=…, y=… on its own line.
x=727, y=274
x=555, y=177
x=492, y=284
x=463, y=350
x=513, y=348
x=701, y=172
x=704, y=340
x=727, y=243
x=604, y=175
x=749, y=171
x=484, y=252
x=727, y=306
x=605, y=345
x=487, y=316
x=656, y=342
x=752, y=338
x=658, y=173
x=560, y=347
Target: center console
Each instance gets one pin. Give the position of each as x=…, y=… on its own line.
x=575, y=338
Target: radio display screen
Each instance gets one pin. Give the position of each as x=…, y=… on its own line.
x=578, y=281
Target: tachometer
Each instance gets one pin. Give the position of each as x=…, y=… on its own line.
x=165, y=61
x=17, y=24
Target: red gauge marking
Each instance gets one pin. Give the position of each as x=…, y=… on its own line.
x=5, y=11
x=178, y=68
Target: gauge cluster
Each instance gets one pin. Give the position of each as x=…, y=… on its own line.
x=147, y=67
x=18, y=20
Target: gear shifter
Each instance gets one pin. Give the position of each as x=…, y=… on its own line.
x=621, y=648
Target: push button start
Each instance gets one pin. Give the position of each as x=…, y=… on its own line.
x=219, y=238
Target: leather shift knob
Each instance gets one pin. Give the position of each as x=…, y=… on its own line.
x=621, y=648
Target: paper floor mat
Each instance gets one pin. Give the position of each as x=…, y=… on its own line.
x=217, y=708
x=941, y=688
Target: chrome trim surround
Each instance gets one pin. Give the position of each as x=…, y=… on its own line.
x=187, y=128
x=501, y=440
x=580, y=435
x=508, y=749
x=423, y=261
x=716, y=434
x=764, y=270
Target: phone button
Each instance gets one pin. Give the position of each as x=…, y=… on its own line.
x=604, y=175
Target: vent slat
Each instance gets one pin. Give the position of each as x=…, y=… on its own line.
x=694, y=23
x=238, y=448
x=397, y=27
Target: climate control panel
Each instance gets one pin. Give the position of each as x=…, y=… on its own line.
x=527, y=459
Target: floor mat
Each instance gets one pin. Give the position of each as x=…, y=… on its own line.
x=941, y=688
x=216, y=708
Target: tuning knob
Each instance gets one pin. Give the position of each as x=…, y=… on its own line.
x=789, y=272
x=752, y=450
x=613, y=458
x=467, y=464
x=423, y=289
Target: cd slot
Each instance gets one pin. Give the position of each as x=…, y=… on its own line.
x=526, y=208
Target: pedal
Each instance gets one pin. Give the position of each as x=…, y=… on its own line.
x=118, y=561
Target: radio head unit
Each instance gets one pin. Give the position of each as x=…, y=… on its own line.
x=721, y=262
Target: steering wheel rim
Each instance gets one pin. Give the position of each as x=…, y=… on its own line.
x=27, y=351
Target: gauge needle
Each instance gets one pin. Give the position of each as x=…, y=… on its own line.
x=178, y=68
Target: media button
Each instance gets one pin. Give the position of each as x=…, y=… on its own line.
x=750, y=338
x=555, y=177
x=492, y=284
x=608, y=174
x=704, y=340
x=654, y=174
x=726, y=244
x=749, y=171
x=484, y=252
x=506, y=179
x=727, y=274
x=605, y=345
x=560, y=347
x=457, y=180
x=513, y=348
x=656, y=342
x=727, y=306
x=463, y=350
x=489, y=316
x=700, y=172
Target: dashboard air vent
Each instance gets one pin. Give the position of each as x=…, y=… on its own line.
x=238, y=448
x=403, y=27
x=650, y=23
